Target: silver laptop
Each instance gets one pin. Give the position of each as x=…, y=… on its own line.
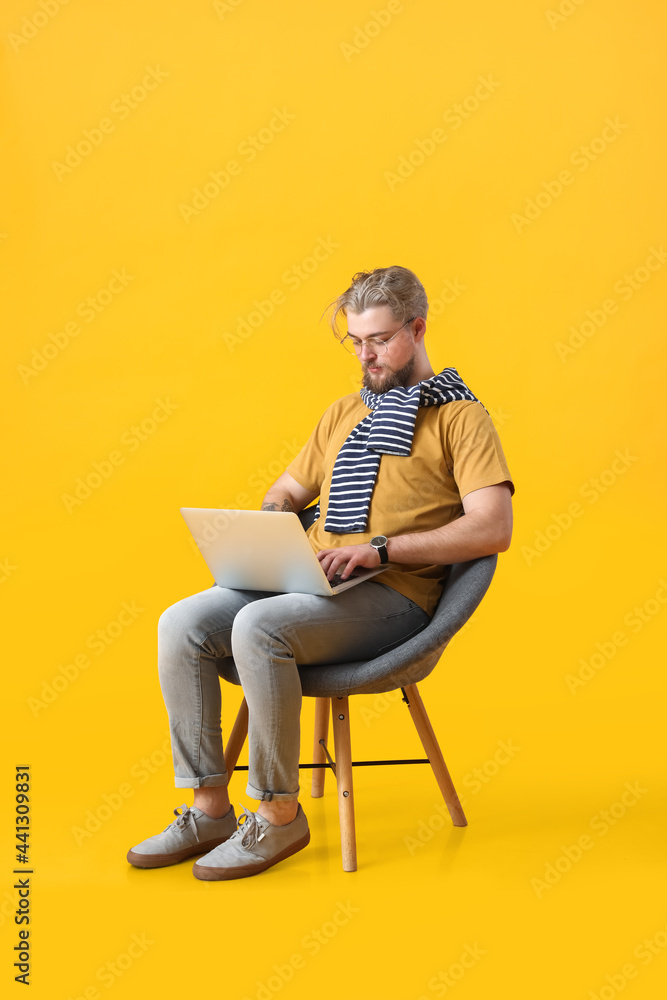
x=263, y=550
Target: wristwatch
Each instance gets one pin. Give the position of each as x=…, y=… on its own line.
x=380, y=543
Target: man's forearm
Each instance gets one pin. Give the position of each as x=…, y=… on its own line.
x=278, y=500
x=469, y=537
x=287, y=494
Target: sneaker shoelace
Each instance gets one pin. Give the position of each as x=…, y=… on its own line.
x=186, y=816
x=249, y=830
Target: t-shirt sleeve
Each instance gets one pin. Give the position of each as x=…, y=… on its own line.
x=476, y=453
x=308, y=466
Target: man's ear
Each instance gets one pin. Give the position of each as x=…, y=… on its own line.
x=419, y=329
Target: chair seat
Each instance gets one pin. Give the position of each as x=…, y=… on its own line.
x=409, y=662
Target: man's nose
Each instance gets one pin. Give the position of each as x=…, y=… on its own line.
x=367, y=351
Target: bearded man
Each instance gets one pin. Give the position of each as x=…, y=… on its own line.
x=409, y=471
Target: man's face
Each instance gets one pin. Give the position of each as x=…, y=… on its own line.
x=382, y=372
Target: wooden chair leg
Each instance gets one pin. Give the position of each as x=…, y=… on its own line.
x=343, y=751
x=434, y=754
x=319, y=757
x=237, y=738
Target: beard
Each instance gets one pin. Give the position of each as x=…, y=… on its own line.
x=387, y=379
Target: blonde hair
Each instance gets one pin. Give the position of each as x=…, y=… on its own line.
x=394, y=286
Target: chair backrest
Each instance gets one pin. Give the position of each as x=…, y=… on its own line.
x=464, y=588
x=307, y=516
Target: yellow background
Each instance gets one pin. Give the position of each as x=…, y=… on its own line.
x=237, y=409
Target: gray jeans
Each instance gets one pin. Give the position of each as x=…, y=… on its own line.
x=267, y=635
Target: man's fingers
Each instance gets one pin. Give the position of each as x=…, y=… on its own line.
x=344, y=561
x=349, y=568
x=340, y=565
x=336, y=565
x=329, y=562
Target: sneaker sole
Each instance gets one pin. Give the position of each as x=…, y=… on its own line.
x=209, y=874
x=162, y=860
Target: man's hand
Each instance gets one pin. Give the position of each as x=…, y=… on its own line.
x=332, y=560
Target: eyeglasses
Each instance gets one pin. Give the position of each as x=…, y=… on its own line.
x=355, y=346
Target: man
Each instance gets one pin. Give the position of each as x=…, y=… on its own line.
x=412, y=463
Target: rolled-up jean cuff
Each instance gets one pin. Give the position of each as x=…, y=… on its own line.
x=207, y=781
x=256, y=793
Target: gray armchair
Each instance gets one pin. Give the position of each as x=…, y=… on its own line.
x=402, y=667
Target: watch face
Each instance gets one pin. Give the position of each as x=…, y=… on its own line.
x=379, y=540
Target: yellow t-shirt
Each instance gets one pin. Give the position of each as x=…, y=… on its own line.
x=455, y=450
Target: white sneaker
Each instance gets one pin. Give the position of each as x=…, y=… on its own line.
x=192, y=832
x=256, y=846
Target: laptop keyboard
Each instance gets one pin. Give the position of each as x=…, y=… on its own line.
x=336, y=579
